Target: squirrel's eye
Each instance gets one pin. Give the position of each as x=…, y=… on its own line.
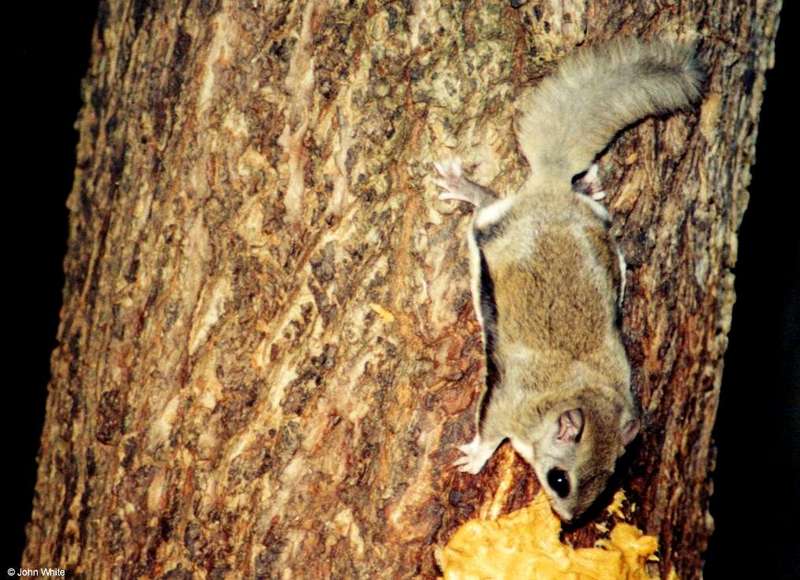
x=558, y=481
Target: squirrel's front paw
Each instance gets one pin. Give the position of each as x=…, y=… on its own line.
x=476, y=454
x=452, y=181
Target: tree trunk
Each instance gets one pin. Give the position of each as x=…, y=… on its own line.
x=267, y=347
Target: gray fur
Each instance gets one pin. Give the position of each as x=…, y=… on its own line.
x=569, y=117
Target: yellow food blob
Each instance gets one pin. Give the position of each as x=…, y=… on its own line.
x=525, y=544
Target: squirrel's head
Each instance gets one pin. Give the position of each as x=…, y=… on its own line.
x=575, y=451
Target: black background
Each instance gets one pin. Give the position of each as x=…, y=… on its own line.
x=755, y=504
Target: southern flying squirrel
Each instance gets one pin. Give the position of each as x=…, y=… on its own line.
x=547, y=277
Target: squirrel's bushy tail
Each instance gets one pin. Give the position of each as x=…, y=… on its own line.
x=571, y=116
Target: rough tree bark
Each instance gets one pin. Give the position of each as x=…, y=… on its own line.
x=267, y=349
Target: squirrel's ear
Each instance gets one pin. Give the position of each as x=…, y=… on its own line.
x=570, y=426
x=629, y=431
